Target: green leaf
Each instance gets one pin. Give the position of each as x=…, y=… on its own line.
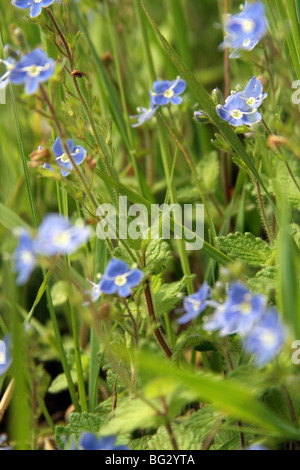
x=191, y=339
x=131, y=415
x=59, y=293
x=167, y=297
x=59, y=384
x=245, y=247
x=158, y=256
x=265, y=280
x=228, y=395
x=78, y=423
x=10, y=219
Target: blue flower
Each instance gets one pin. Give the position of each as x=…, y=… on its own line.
x=5, y=356
x=240, y=312
x=166, y=91
x=145, y=114
x=195, y=304
x=57, y=235
x=253, y=94
x=32, y=69
x=63, y=161
x=94, y=293
x=237, y=112
x=35, y=6
x=24, y=257
x=88, y=441
x=118, y=277
x=245, y=30
x=266, y=338
x=257, y=447
x=4, y=79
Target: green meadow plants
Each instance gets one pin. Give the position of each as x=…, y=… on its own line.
x=149, y=225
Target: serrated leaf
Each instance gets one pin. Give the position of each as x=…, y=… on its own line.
x=265, y=280
x=245, y=247
x=158, y=256
x=78, y=423
x=167, y=297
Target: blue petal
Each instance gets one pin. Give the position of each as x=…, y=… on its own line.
x=161, y=100
x=124, y=291
x=135, y=277
x=179, y=87
x=116, y=267
x=176, y=100
x=35, y=10
x=31, y=85
x=89, y=441
x=78, y=154
x=161, y=86
x=107, y=286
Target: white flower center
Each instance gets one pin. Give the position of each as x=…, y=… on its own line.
x=245, y=308
x=236, y=114
x=37, y=1
x=120, y=280
x=251, y=101
x=169, y=93
x=269, y=339
x=248, y=26
x=64, y=158
x=62, y=239
x=27, y=257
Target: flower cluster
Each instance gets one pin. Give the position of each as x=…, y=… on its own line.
x=56, y=235
x=35, y=6
x=77, y=153
x=118, y=278
x=243, y=313
x=241, y=108
x=165, y=92
x=245, y=30
x=31, y=70
x=248, y=315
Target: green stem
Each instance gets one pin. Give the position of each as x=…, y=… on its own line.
x=95, y=363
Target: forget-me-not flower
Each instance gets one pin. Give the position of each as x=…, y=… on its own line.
x=78, y=154
x=194, y=304
x=57, y=235
x=88, y=441
x=241, y=108
x=35, y=6
x=239, y=313
x=166, y=92
x=245, y=30
x=32, y=69
x=266, y=338
x=5, y=356
x=4, y=79
x=145, y=114
x=119, y=278
x=253, y=94
x=24, y=257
